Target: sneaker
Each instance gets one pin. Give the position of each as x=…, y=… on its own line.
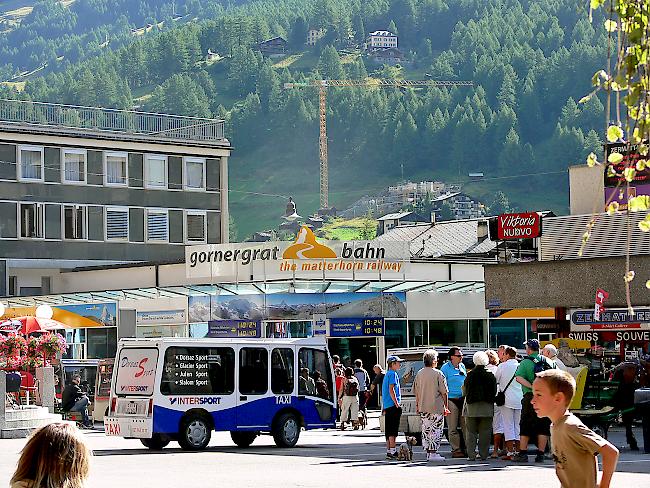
x=434, y=456
x=508, y=456
x=520, y=457
x=391, y=456
x=539, y=457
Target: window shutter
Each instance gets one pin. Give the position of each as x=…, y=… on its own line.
x=157, y=228
x=117, y=224
x=196, y=228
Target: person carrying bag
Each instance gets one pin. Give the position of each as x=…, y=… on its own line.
x=500, y=398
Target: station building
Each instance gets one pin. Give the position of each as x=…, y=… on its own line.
x=415, y=285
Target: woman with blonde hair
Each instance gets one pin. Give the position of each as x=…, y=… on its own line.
x=54, y=457
x=497, y=421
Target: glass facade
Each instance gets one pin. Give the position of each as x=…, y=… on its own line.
x=395, y=333
x=447, y=332
x=102, y=342
x=296, y=329
x=507, y=331
x=478, y=332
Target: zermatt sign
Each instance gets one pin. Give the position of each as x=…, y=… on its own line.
x=519, y=226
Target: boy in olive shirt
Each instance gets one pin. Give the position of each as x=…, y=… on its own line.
x=575, y=447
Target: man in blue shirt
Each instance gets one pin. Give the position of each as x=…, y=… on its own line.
x=391, y=402
x=455, y=373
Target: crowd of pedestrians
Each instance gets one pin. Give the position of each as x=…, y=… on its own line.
x=502, y=399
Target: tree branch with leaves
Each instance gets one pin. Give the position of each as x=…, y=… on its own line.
x=626, y=83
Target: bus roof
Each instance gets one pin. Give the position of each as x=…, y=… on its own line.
x=311, y=341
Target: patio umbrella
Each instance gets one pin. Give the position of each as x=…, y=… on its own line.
x=30, y=324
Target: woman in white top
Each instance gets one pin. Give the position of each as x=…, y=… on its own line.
x=497, y=420
x=511, y=409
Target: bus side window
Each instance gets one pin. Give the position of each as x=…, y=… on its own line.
x=198, y=371
x=253, y=371
x=320, y=373
x=282, y=371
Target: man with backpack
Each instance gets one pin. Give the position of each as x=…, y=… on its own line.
x=364, y=382
x=349, y=400
x=531, y=426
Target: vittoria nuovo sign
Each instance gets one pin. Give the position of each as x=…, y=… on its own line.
x=519, y=226
x=306, y=256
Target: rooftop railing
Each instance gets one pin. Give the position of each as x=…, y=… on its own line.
x=71, y=118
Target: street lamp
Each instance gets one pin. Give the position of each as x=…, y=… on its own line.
x=44, y=311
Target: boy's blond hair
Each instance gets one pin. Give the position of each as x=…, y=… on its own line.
x=559, y=381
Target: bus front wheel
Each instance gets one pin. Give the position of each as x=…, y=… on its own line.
x=286, y=430
x=243, y=439
x=156, y=443
x=195, y=433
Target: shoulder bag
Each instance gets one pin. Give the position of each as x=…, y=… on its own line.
x=500, y=398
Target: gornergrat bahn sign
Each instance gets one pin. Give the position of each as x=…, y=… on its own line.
x=527, y=225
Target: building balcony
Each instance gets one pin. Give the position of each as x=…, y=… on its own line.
x=71, y=120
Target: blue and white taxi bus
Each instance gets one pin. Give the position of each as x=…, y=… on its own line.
x=181, y=389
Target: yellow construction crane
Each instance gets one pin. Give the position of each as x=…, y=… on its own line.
x=323, y=85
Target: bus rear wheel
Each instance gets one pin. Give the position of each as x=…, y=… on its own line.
x=156, y=443
x=286, y=430
x=243, y=439
x=195, y=433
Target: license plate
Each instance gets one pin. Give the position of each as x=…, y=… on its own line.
x=132, y=407
x=128, y=427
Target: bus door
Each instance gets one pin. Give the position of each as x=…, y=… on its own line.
x=253, y=401
x=316, y=391
x=284, y=376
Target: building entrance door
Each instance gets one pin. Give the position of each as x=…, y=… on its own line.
x=364, y=348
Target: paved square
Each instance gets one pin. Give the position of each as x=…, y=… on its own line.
x=323, y=458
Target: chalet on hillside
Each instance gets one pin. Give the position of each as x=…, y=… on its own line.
x=313, y=35
x=272, y=47
x=390, y=56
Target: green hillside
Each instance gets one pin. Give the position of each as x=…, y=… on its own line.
x=529, y=60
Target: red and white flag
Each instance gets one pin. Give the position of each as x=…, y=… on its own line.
x=601, y=297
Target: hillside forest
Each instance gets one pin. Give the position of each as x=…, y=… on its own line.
x=520, y=124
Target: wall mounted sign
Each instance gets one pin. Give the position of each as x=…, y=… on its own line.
x=357, y=327
x=611, y=319
x=320, y=324
x=305, y=256
x=235, y=328
x=630, y=155
x=161, y=317
x=519, y=226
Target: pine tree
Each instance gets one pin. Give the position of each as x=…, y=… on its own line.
x=329, y=64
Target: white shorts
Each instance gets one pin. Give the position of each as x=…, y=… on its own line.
x=511, y=418
x=497, y=421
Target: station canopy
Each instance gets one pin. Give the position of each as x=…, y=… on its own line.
x=249, y=288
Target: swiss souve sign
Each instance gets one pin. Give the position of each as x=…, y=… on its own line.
x=306, y=256
x=519, y=226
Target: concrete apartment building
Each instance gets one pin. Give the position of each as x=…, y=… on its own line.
x=86, y=187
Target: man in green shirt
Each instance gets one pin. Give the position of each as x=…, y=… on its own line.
x=531, y=426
